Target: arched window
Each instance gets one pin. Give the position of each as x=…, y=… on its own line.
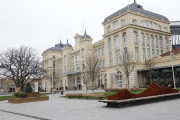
x=134, y=22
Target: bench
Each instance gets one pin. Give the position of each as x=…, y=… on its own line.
x=88, y=95
x=141, y=100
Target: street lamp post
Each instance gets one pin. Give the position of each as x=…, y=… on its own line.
x=172, y=69
x=52, y=69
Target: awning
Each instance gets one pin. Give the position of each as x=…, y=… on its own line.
x=71, y=72
x=162, y=67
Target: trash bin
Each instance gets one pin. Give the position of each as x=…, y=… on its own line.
x=62, y=92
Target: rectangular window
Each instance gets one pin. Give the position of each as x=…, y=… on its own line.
x=125, y=53
x=103, y=51
x=149, y=54
x=147, y=40
x=135, y=38
x=157, y=44
x=161, y=44
x=111, y=58
x=159, y=28
x=157, y=52
x=73, y=67
x=109, y=29
x=78, y=66
x=152, y=41
x=65, y=59
x=117, y=56
x=77, y=58
x=123, y=22
x=83, y=53
x=142, y=39
x=115, y=24
x=72, y=59
x=125, y=39
x=167, y=45
x=155, y=26
x=110, y=45
x=99, y=51
x=141, y=23
x=54, y=64
x=136, y=54
x=161, y=52
x=117, y=43
x=153, y=53
x=144, y=54
x=150, y=25
x=96, y=53
x=112, y=80
x=146, y=24
x=165, y=29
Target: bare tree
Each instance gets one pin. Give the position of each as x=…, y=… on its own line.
x=20, y=65
x=149, y=64
x=91, y=70
x=84, y=76
x=127, y=65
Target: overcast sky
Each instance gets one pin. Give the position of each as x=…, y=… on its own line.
x=41, y=23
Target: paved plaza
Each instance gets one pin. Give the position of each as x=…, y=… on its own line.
x=79, y=109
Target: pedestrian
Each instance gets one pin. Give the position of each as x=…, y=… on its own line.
x=62, y=92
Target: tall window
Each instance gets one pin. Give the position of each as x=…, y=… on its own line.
x=123, y=22
x=125, y=39
x=99, y=51
x=111, y=58
x=152, y=41
x=146, y=24
x=167, y=45
x=109, y=29
x=65, y=59
x=150, y=25
x=77, y=58
x=155, y=26
x=157, y=44
x=117, y=43
x=165, y=29
x=141, y=23
x=103, y=51
x=144, y=54
x=110, y=45
x=135, y=38
x=159, y=27
x=112, y=80
x=142, y=39
x=115, y=25
x=161, y=52
x=136, y=54
x=147, y=40
x=153, y=53
x=117, y=56
x=160, y=40
x=54, y=64
x=83, y=53
x=125, y=53
x=149, y=54
x=157, y=52
x=72, y=59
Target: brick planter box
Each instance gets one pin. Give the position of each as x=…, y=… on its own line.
x=31, y=99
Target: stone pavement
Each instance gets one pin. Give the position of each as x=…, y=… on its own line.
x=79, y=109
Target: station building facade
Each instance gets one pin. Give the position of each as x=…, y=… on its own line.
x=131, y=29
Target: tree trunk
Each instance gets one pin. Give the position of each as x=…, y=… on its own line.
x=93, y=86
x=17, y=89
x=128, y=83
x=86, y=87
